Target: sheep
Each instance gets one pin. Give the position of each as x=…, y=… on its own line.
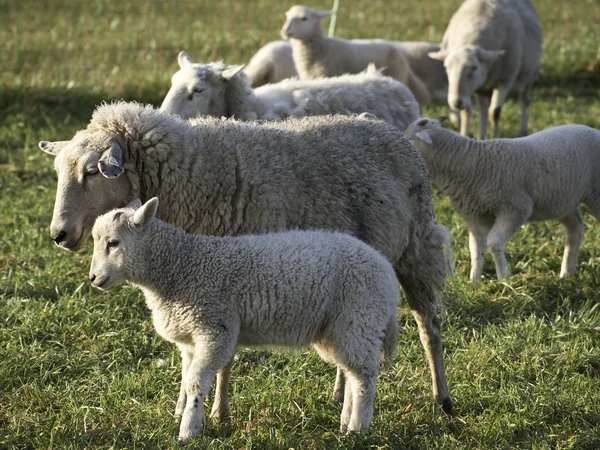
x=209, y=295
x=316, y=55
x=271, y=64
x=222, y=91
x=499, y=185
x=490, y=48
x=226, y=177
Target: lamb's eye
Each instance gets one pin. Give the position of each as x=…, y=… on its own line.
x=91, y=170
x=112, y=244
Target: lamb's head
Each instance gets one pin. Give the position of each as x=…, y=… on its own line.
x=467, y=69
x=116, y=243
x=420, y=131
x=198, y=89
x=90, y=182
x=303, y=23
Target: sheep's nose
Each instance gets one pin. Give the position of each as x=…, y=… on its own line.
x=458, y=104
x=92, y=277
x=62, y=234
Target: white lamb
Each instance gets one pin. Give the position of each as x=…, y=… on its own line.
x=223, y=91
x=209, y=294
x=490, y=48
x=500, y=184
x=271, y=64
x=316, y=55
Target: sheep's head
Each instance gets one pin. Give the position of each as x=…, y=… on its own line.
x=303, y=23
x=198, y=89
x=90, y=182
x=418, y=131
x=116, y=237
x=467, y=69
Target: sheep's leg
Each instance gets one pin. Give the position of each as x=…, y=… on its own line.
x=478, y=234
x=338, y=389
x=363, y=396
x=347, y=408
x=220, y=408
x=465, y=121
x=498, y=98
x=455, y=118
x=503, y=229
x=483, y=102
x=186, y=358
x=573, y=224
x=525, y=97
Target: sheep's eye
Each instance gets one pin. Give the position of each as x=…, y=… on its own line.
x=195, y=91
x=91, y=170
x=112, y=244
x=304, y=19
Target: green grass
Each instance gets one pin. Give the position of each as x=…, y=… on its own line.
x=79, y=367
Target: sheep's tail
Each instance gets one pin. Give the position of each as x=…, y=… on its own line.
x=418, y=88
x=390, y=341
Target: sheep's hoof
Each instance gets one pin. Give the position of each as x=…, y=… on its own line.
x=445, y=406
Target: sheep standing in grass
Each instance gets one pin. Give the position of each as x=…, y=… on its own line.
x=225, y=177
x=222, y=91
x=316, y=55
x=490, y=48
x=271, y=64
x=499, y=185
x=210, y=294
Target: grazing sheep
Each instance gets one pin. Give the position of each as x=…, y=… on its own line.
x=316, y=55
x=490, y=48
x=499, y=185
x=226, y=177
x=271, y=64
x=222, y=91
x=209, y=295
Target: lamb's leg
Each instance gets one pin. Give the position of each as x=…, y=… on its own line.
x=186, y=358
x=363, y=396
x=478, y=234
x=483, y=102
x=338, y=389
x=498, y=98
x=347, y=408
x=465, y=121
x=455, y=118
x=525, y=97
x=501, y=232
x=573, y=224
x=220, y=408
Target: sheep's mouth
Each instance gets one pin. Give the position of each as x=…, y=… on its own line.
x=78, y=244
x=101, y=284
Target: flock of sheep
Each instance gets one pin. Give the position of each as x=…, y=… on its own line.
x=214, y=260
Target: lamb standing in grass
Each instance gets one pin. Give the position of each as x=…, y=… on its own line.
x=209, y=294
x=222, y=91
x=225, y=177
x=316, y=55
x=499, y=185
x=490, y=48
x=271, y=64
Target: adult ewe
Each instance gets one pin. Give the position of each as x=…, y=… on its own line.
x=271, y=64
x=211, y=294
x=499, y=185
x=222, y=91
x=490, y=48
x=225, y=177
x=316, y=55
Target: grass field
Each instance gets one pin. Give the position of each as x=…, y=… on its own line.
x=79, y=368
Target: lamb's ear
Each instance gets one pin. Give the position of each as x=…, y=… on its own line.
x=134, y=204
x=489, y=56
x=228, y=74
x=322, y=14
x=146, y=212
x=52, y=148
x=183, y=59
x=424, y=136
x=442, y=119
x=110, y=163
x=440, y=56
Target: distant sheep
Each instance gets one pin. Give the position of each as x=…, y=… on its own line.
x=210, y=295
x=222, y=91
x=490, y=48
x=316, y=55
x=271, y=64
x=498, y=185
x=225, y=177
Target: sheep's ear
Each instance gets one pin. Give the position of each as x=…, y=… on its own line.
x=110, y=163
x=183, y=59
x=52, y=148
x=422, y=122
x=146, y=212
x=442, y=119
x=440, y=56
x=489, y=56
x=424, y=136
x=228, y=74
x=134, y=204
x=322, y=14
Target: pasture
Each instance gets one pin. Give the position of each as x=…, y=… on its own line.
x=84, y=369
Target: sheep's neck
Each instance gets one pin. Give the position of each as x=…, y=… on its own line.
x=308, y=54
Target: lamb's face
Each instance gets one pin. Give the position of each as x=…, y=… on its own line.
x=191, y=91
x=303, y=23
x=89, y=184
